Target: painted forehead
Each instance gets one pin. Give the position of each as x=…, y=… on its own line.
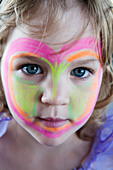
x=24, y=45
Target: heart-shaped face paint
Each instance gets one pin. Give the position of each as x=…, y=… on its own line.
x=40, y=83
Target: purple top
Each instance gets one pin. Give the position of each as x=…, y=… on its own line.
x=4, y=122
x=101, y=155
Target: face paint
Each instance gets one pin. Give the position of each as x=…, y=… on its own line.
x=23, y=95
x=83, y=102
x=80, y=104
x=82, y=54
x=41, y=49
x=25, y=101
x=57, y=71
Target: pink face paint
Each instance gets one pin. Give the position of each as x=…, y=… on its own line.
x=40, y=49
x=36, y=47
x=59, y=131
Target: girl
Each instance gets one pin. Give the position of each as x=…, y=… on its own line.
x=56, y=72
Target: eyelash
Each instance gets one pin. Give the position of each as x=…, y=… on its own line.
x=39, y=70
x=25, y=68
x=89, y=70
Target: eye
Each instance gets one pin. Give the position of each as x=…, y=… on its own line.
x=32, y=69
x=81, y=72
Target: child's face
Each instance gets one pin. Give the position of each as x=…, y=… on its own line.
x=51, y=94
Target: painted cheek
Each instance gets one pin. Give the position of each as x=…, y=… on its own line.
x=78, y=103
x=82, y=104
x=25, y=96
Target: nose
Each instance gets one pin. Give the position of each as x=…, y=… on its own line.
x=62, y=93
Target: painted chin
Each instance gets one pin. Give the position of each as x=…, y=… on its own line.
x=52, y=129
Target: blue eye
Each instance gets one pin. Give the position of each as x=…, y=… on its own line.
x=32, y=69
x=81, y=72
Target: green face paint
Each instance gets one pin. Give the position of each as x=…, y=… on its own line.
x=57, y=71
x=23, y=81
x=27, y=93
x=36, y=103
x=77, y=104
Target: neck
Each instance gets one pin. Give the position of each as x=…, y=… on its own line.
x=73, y=147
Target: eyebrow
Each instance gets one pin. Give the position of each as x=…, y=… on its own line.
x=83, y=54
x=25, y=54
x=82, y=62
x=70, y=58
x=22, y=55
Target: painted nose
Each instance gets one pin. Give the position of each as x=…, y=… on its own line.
x=61, y=96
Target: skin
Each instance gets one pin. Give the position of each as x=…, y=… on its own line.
x=27, y=105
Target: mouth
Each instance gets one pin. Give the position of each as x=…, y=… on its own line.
x=52, y=122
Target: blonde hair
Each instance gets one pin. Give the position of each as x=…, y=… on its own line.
x=49, y=14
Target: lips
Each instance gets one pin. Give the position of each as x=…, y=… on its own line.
x=52, y=122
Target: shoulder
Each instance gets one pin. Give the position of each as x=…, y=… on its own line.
x=106, y=130
x=4, y=123
x=101, y=156
x=106, y=134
